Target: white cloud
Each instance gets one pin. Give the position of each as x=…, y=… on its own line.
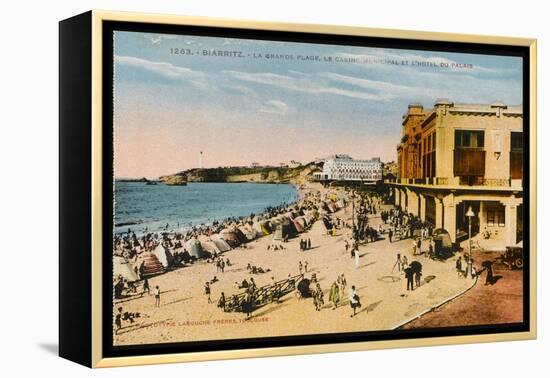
x=167, y=70
x=156, y=39
x=313, y=84
x=274, y=107
x=368, y=84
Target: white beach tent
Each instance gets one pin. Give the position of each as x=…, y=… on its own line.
x=123, y=268
x=220, y=243
x=163, y=255
x=208, y=245
x=194, y=247
x=249, y=232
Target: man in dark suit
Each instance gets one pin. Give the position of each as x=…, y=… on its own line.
x=409, y=274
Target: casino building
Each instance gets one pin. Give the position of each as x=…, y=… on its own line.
x=459, y=156
x=345, y=168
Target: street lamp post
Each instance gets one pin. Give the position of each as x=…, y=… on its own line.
x=353, y=210
x=470, y=214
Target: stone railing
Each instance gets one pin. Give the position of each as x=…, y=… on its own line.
x=459, y=181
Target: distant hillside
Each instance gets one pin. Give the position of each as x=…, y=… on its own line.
x=297, y=175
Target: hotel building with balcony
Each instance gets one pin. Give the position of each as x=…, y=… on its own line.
x=345, y=168
x=457, y=156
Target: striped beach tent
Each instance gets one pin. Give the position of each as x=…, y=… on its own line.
x=151, y=264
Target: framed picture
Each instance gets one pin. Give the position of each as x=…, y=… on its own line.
x=234, y=189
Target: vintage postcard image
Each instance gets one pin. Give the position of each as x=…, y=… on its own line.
x=268, y=188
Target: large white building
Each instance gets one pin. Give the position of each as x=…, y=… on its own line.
x=345, y=168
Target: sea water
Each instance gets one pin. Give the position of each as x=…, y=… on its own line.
x=161, y=207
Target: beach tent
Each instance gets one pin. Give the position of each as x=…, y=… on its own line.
x=194, y=248
x=256, y=226
x=278, y=233
x=311, y=215
x=220, y=243
x=288, y=228
x=240, y=235
x=291, y=215
x=208, y=245
x=300, y=224
x=123, y=268
x=151, y=264
x=230, y=237
x=163, y=255
x=266, y=227
x=327, y=223
x=248, y=232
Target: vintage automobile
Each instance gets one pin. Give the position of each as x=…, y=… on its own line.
x=513, y=257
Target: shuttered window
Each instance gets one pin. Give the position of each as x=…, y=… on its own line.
x=469, y=156
x=516, y=155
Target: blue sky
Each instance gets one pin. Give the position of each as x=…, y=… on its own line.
x=251, y=108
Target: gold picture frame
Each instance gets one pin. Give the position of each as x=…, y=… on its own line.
x=75, y=271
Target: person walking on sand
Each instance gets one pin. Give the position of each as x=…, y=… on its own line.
x=489, y=278
x=146, y=287
x=305, y=266
x=221, y=301
x=248, y=301
x=417, y=278
x=458, y=266
x=118, y=320
x=469, y=263
x=356, y=255
x=344, y=282
x=157, y=296
x=308, y=243
x=398, y=263
x=207, y=291
x=320, y=296
x=354, y=301
x=409, y=274
x=390, y=234
x=300, y=267
x=334, y=295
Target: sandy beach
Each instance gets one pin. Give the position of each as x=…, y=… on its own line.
x=185, y=314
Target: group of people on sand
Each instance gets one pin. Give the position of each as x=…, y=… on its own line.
x=129, y=244
x=275, y=247
x=412, y=271
x=465, y=268
x=336, y=295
